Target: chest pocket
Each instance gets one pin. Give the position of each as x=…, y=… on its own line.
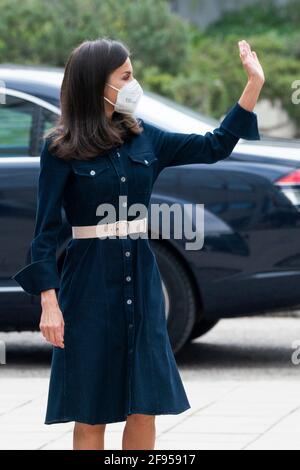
x=94, y=180
x=143, y=167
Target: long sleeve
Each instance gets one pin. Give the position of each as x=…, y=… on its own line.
x=173, y=148
x=42, y=273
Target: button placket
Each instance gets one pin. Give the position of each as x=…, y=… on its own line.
x=127, y=276
x=129, y=307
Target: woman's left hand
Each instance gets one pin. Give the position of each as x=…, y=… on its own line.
x=251, y=63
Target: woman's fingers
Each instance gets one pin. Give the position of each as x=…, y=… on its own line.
x=250, y=62
x=245, y=48
x=54, y=334
x=255, y=56
x=245, y=52
x=58, y=336
x=46, y=332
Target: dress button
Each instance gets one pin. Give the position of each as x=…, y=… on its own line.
x=124, y=204
x=118, y=154
x=123, y=179
x=146, y=161
x=92, y=172
x=127, y=253
x=128, y=278
x=129, y=301
x=130, y=325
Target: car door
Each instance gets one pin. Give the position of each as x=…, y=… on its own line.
x=23, y=120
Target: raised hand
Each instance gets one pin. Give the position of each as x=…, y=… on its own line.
x=250, y=62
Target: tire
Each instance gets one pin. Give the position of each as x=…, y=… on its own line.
x=202, y=327
x=179, y=296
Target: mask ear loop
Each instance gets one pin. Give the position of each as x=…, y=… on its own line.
x=112, y=86
x=113, y=104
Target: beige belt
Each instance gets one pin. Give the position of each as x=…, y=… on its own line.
x=121, y=227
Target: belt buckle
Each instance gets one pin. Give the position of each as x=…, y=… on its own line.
x=142, y=224
x=119, y=227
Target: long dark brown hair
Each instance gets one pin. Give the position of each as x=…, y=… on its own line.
x=83, y=130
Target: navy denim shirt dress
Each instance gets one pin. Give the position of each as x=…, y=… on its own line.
x=117, y=358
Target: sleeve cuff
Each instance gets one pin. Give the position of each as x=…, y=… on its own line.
x=38, y=276
x=241, y=123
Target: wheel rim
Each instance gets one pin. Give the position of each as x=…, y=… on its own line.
x=167, y=299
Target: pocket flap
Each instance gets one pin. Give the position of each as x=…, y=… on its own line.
x=145, y=158
x=90, y=169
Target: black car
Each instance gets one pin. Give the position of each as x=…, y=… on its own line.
x=250, y=259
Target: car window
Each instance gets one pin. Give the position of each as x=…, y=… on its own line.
x=16, y=117
x=23, y=124
x=49, y=120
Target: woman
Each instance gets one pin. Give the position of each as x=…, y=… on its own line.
x=112, y=360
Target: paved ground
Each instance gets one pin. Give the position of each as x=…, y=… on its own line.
x=242, y=384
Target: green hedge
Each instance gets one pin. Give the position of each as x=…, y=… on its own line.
x=170, y=56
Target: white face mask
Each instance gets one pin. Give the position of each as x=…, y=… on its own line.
x=128, y=97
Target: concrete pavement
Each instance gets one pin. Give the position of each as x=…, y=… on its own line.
x=231, y=415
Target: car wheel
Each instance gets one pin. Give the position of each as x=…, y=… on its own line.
x=179, y=296
x=201, y=327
